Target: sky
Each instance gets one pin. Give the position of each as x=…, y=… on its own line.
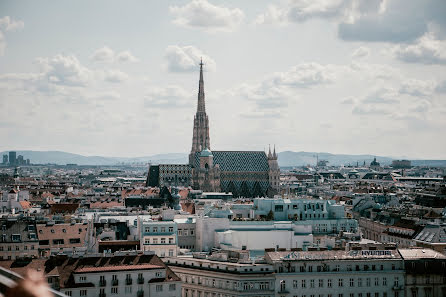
x=120, y=78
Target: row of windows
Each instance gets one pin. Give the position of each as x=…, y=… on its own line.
x=63, y=231
x=162, y=240
x=186, y=232
x=231, y=285
x=370, y=294
x=127, y=290
x=60, y=241
x=17, y=248
x=360, y=282
x=325, y=268
x=155, y=229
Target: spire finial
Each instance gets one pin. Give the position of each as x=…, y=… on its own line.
x=269, y=152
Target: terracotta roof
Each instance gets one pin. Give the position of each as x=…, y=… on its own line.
x=117, y=268
x=25, y=204
x=105, y=204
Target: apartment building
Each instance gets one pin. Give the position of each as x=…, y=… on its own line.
x=111, y=275
x=357, y=273
x=18, y=239
x=160, y=237
x=65, y=237
x=210, y=278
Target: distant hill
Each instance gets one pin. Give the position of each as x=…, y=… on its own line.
x=286, y=159
x=63, y=158
x=290, y=159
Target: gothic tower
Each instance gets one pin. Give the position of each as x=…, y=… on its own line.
x=200, y=138
x=274, y=171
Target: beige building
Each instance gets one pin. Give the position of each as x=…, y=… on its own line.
x=205, y=278
x=61, y=237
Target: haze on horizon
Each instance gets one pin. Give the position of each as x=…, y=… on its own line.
x=121, y=79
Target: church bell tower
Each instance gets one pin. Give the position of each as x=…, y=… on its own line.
x=200, y=138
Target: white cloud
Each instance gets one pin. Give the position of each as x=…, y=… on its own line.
x=417, y=88
x=64, y=70
x=8, y=24
x=126, y=56
x=107, y=55
x=361, y=52
x=204, y=15
x=104, y=54
x=186, y=59
x=115, y=76
x=2, y=44
x=426, y=50
x=170, y=97
x=381, y=96
x=302, y=10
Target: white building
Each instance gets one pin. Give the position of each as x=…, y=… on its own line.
x=205, y=278
x=359, y=273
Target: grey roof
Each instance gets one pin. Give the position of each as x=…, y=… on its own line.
x=241, y=161
x=432, y=234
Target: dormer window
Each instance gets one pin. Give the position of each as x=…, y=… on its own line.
x=15, y=237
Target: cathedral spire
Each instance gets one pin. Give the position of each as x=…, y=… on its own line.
x=201, y=104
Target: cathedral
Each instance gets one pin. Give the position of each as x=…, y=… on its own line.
x=242, y=173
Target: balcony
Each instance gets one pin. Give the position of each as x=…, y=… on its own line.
x=397, y=288
x=128, y=281
x=115, y=282
x=140, y=280
x=283, y=291
x=140, y=294
x=102, y=283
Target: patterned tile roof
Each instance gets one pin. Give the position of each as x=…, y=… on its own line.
x=251, y=161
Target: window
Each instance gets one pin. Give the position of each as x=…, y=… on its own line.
x=349, y=267
x=163, y=229
x=376, y=294
x=64, y=230
x=352, y=282
x=15, y=237
x=159, y=288
x=359, y=282
x=172, y=287
x=75, y=240
x=278, y=208
x=170, y=240
x=336, y=268
x=114, y=290
x=170, y=253
x=376, y=281
x=312, y=283
x=83, y=293
x=185, y=232
x=302, y=269
x=68, y=293
x=368, y=282
x=304, y=284
x=340, y=282
x=155, y=229
x=146, y=240
x=82, y=279
x=384, y=281
x=163, y=240
x=170, y=229
x=321, y=283
x=393, y=266
x=128, y=289
x=329, y=283
x=52, y=231
x=180, y=232
x=295, y=284
x=191, y=232
x=396, y=281
x=58, y=241
x=155, y=241
x=310, y=268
